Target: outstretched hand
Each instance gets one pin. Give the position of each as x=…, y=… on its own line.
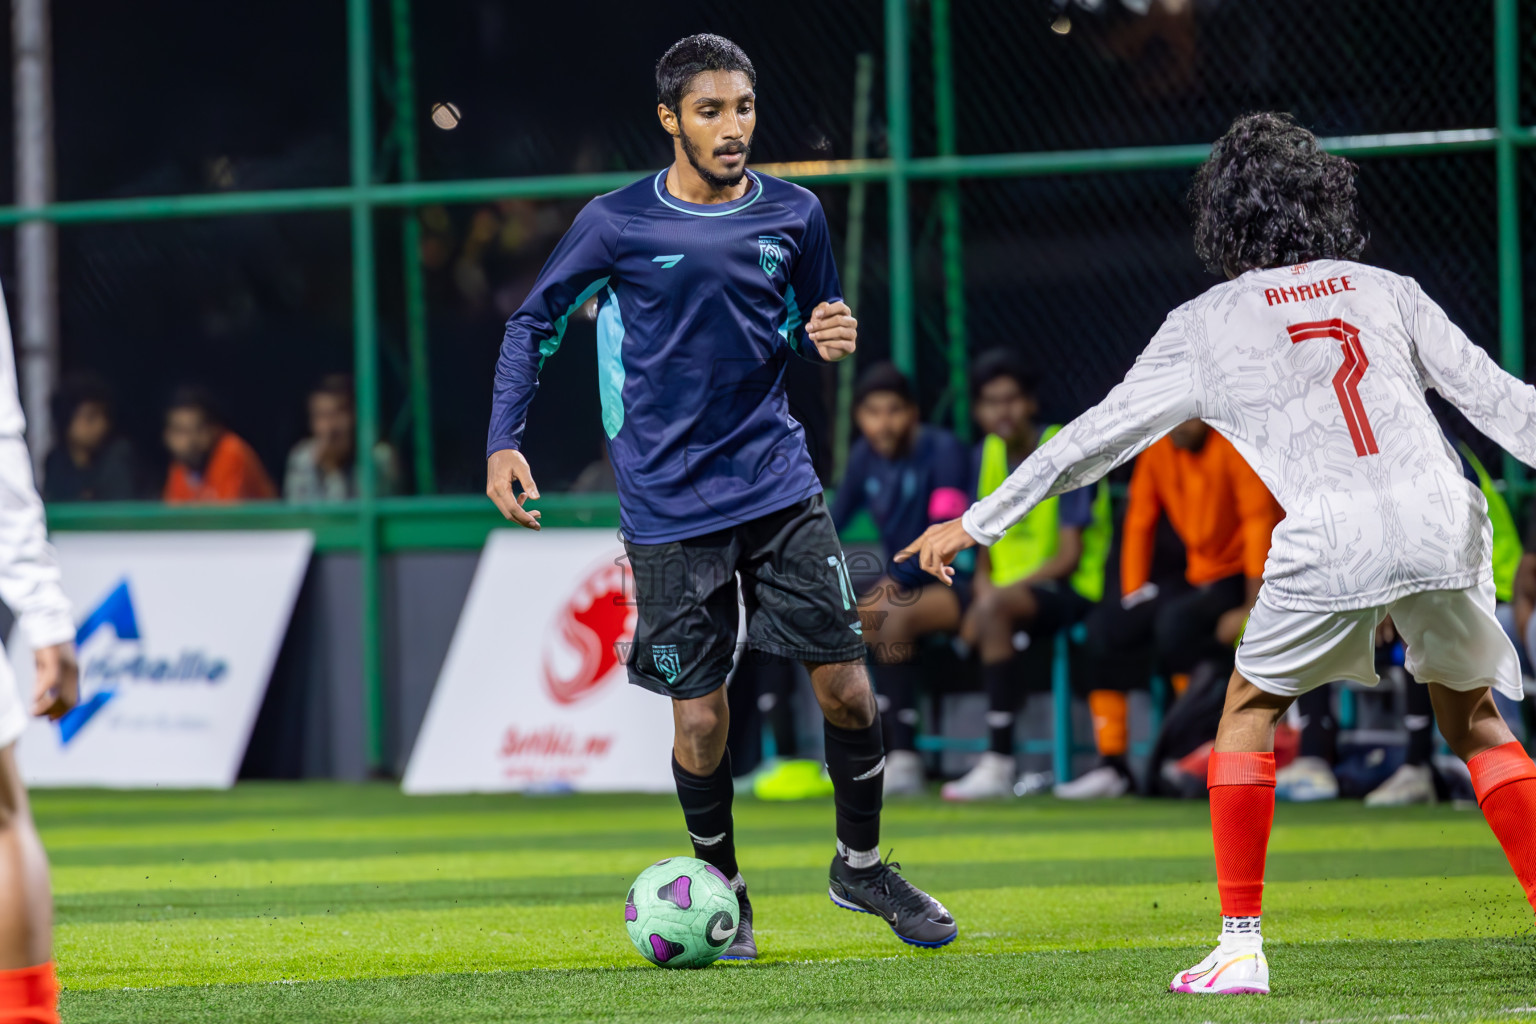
x=833, y=330
x=504, y=469
x=937, y=547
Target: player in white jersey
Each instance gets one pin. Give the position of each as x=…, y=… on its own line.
x=29, y=585
x=1315, y=367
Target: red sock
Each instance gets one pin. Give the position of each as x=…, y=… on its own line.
x=1242, y=789
x=29, y=995
x=1505, y=782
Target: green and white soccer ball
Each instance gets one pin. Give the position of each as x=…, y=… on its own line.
x=681, y=912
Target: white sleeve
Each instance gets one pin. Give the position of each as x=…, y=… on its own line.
x=29, y=570
x=1501, y=406
x=1157, y=395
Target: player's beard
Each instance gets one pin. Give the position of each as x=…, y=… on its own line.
x=716, y=180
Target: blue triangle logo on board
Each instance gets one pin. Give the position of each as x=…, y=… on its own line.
x=114, y=611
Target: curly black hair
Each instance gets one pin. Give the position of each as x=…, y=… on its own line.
x=693, y=55
x=1268, y=196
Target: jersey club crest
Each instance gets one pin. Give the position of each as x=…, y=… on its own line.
x=769, y=253
x=667, y=661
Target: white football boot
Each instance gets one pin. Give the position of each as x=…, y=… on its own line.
x=990, y=779
x=1305, y=780
x=1410, y=784
x=904, y=773
x=1236, y=970
x=1103, y=783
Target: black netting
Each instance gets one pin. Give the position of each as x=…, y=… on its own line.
x=1180, y=72
x=551, y=88
x=1078, y=272
x=188, y=96
x=256, y=309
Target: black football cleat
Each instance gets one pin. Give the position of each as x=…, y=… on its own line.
x=744, y=946
x=917, y=918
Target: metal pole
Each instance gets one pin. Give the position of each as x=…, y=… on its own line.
x=366, y=368
x=1062, y=739
x=1506, y=69
x=410, y=242
x=853, y=259
x=949, y=213
x=36, y=241
x=898, y=109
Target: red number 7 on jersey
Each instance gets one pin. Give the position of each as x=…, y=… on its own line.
x=1346, y=382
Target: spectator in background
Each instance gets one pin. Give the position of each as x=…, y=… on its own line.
x=208, y=462
x=1224, y=515
x=909, y=475
x=323, y=466
x=90, y=462
x=1042, y=576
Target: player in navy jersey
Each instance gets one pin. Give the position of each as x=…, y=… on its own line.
x=710, y=276
x=908, y=475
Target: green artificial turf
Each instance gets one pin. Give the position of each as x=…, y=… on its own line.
x=305, y=902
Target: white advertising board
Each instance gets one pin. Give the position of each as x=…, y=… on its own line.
x=534, y=693
x=178, y=634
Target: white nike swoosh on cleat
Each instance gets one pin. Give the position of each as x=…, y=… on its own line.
x=876, y=770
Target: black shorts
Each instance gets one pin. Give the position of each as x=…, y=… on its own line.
x=799, y=599
x=1059, y=607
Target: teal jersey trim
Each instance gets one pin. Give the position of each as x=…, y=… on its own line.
x=610, y=364
x=549, y=345
x=661, y=193
x=791, y=319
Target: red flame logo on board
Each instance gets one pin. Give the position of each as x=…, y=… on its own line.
x=583, y=649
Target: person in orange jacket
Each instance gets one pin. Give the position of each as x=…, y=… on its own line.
x=209, y=463
x=1223, y=514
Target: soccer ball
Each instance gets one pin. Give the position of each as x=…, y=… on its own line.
x=681, y=912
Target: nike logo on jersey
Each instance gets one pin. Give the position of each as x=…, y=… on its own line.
x=668, y=262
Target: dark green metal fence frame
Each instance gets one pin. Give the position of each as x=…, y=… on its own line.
x=372, y=527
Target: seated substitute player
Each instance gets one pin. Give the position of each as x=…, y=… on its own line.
x=1043, y=575
x=1224, y=515
x=907, y=474
x=1315, y=366
x=29, y=584
x=706, y=269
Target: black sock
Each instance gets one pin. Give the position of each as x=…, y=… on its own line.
x=707, y=811
x=1419, y=719
x=1319, y=729
x=999, y=683
x=896, y=686
x=856, y=763
x=781, y=711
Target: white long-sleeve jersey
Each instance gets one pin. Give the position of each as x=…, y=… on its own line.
x=1316, y=373
x=29, y=570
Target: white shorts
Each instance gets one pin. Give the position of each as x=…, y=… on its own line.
x=13, y=710
x=1452, y=638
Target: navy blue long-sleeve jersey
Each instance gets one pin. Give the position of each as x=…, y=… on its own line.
x=907, y=494
x=701, y=305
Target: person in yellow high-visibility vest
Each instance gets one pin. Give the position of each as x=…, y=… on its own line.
x=1043, y=576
